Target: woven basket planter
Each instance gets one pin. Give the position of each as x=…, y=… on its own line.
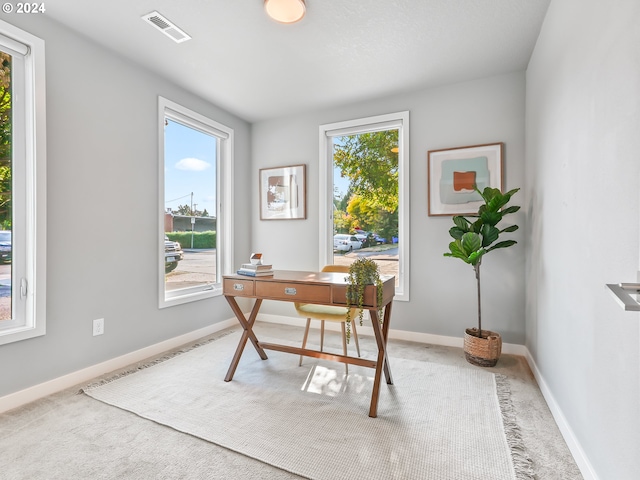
x=484, y=351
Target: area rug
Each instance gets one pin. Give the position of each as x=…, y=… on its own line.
x=436, y=422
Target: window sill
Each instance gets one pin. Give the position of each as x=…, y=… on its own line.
x=186, y=296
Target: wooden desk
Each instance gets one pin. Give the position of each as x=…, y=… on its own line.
x=324, y=288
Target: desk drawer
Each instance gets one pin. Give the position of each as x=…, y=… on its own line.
x=238, y=288
x=294, y=292
x=340, y=295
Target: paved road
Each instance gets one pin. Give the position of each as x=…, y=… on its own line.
x=387, y=259
x=198, y=267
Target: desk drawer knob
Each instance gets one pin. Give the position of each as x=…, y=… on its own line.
x=290, y=291
x=238, y=287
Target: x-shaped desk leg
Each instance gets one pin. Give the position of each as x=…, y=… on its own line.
x=247, y=325
x=382, y=363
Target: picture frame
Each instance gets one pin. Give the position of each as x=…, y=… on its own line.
x=452, y=172
x=283, y=193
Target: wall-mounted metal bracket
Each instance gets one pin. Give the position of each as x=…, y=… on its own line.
x=622, y=293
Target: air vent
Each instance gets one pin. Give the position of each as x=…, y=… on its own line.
x=166, y=27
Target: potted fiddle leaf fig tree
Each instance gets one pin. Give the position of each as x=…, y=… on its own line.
x=474, y=237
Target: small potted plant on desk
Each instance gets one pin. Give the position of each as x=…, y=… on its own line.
x=362, y=272
x=473, y=239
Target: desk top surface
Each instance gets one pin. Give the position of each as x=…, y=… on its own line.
x=297, y=276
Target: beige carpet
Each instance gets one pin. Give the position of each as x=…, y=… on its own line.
x=435, y=422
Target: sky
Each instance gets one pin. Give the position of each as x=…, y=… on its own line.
x=340, y=183
x=190, y=166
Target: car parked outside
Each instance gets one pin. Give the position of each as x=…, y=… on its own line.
x=5, y=246
x=366, y=239
x=172, y=254
x=362, y=238
x=378, y=239
x=345, y=243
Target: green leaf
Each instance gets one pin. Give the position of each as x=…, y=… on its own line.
x=512, y=209
x=491, y=217
x=512, y=228
x=504, y=244
x=489, y=234
x=470, y=243
x=461, y=222
x=497, y=202
x=456, y=232
x=460, y=256
x=489, y=193
x=476, y=257
x=457, y=251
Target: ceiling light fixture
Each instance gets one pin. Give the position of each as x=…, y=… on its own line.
x=285, y=11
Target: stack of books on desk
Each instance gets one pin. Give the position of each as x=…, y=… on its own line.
x=252, y=270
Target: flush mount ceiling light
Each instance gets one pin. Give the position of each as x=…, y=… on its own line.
x=285, y=11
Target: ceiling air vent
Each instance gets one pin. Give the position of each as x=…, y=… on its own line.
x=166, y=27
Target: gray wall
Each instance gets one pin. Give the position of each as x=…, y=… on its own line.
x=442, y=292
x=102, y=151
x=583, y=179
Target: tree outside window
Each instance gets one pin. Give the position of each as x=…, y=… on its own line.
x=368, y=164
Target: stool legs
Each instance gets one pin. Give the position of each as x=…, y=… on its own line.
x=304, y=340
x=355, y=336
x=344, y=346
x=344, y=339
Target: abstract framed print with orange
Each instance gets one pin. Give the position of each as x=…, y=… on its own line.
x=453, y=172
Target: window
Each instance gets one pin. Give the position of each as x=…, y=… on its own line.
x=22, y=185
x=194, y=238
x=364, y=194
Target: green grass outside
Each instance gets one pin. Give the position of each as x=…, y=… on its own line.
x=200, y=239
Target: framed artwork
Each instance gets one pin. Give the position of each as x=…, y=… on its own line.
x=283, y=193
x=452, y=172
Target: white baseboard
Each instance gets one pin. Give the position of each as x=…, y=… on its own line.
x=509, y=348
x=22, y=397
x=565, y=429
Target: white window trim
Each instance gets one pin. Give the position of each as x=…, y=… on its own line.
x=32, y=235
x=224, y=187
x=362, y=125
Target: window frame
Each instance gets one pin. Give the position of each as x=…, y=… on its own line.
x=224, y=191
x=399, y=120
x=29, y=174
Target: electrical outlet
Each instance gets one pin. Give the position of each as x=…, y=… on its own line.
x=98, y=326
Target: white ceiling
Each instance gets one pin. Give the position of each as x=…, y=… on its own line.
x=342, y=51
